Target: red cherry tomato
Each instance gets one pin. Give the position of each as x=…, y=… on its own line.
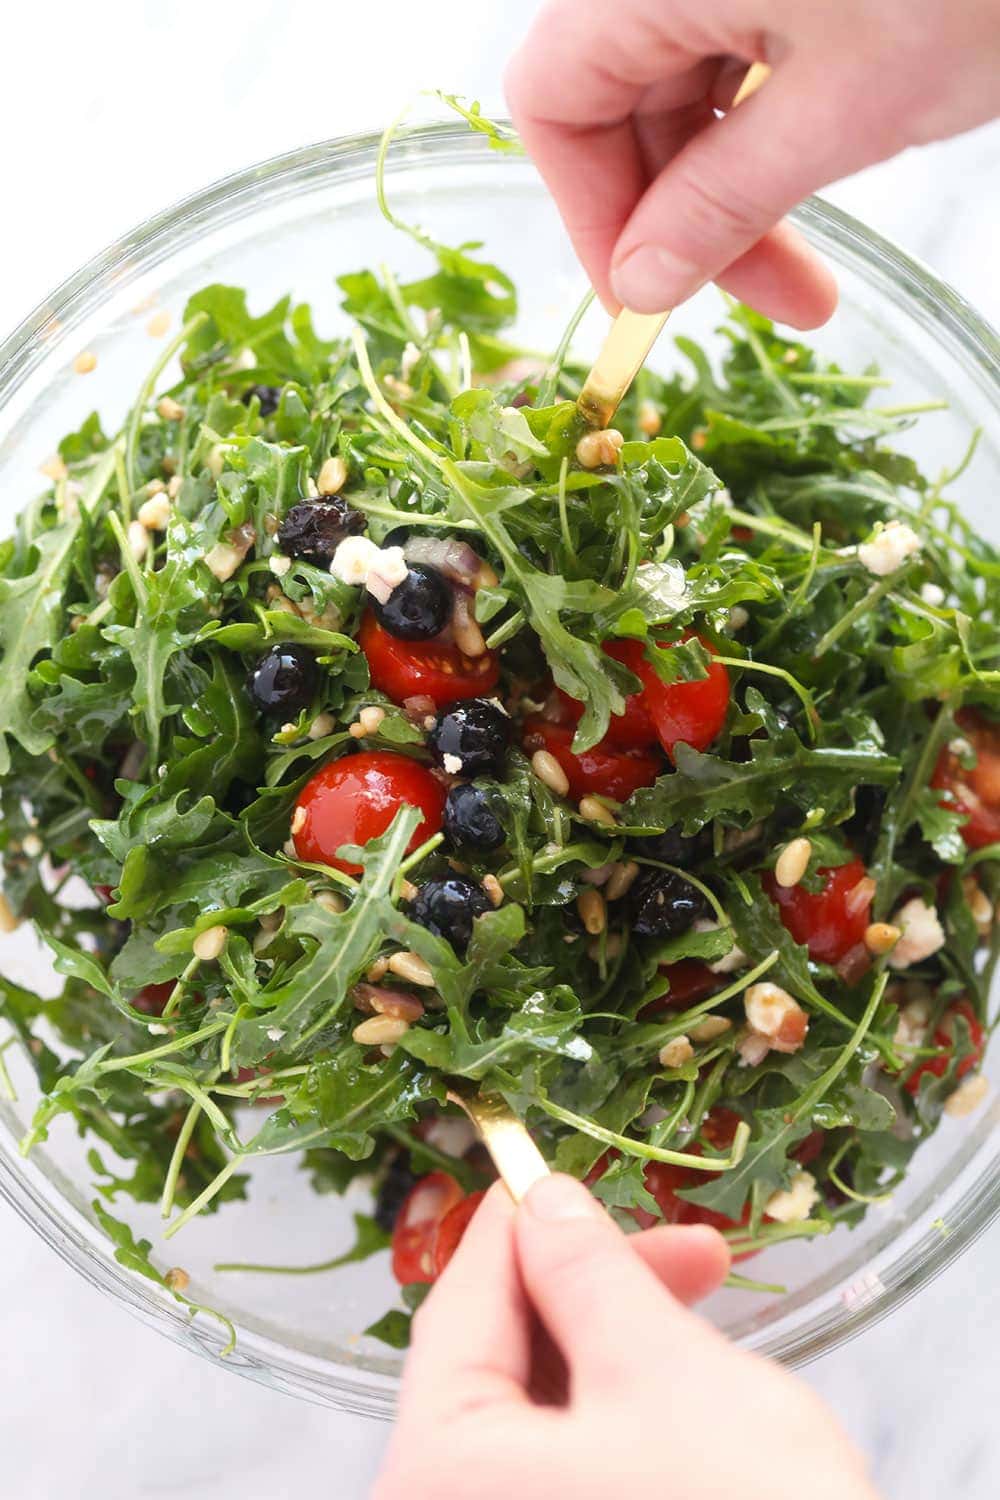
x=355, y=799
x=808, y=1150
x=690, y=981
x=103, y=893
x=153, y=997
x=631, y=730
x=434, y=669
x=829, y=922
x=453, y=1226
x=977, y=792
x=690, y=711
x=605, y=769
x=414, y=1237
x=944, y=1038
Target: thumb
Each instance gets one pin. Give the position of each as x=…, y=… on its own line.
x=735, y=179
x=601, y=1304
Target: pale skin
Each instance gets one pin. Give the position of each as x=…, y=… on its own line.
x=616, y=104
x=556, y=1356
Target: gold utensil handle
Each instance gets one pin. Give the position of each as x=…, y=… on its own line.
x=632, y=335
x=514, y=1153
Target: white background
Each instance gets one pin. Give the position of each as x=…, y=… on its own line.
x=108, y=112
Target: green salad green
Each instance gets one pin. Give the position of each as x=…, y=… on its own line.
x=755, y=529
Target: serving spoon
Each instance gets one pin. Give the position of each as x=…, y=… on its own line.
x=625, y=351
x=632, y=335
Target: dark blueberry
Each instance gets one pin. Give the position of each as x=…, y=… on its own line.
x=398, y=1181
x=418, y=608
x=673, y=848
x=397, y=537
x=664, y=905
x=448, y=908
x=284, y=681
x=314, y=529
x=469, y=821
x=267, y=395
x=475, y=731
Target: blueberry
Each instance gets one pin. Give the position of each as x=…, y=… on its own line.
x=267, y=395
x=674, y=848
x=314, y=529
x=284, y=681
x=418, y=608
x=448, y=908
x=665, y=905
x=398, y=1181
x=469, y=821
x=474, y=731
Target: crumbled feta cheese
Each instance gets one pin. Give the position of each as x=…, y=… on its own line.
x=32, y=845
x=353, y=558
x=387, y=571
x=911, y=1028
x=776, y=1016
x=409, y=360
x=274, y=1033
x=278, y=564
x=922, y=934
x=452, y=764
x=729, y=962
x=932, y=594
x=156, y=1029
x=793, y=1204
x=889, y=548
x=453, y=1135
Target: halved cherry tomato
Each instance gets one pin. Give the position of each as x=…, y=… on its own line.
x=944, y=1037
x=605, y=769
x=690, y=711
x=414, y=1236
x=690, y=981
x=977, y=792
x=631, y=730
x=433, y=669
x=808, y=1150
x=829, y=922
x=355, y=799
x=453, y=1226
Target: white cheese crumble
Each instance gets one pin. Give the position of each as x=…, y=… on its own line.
x=889, y=549
x=274, y=1033
x=729, y=962
x=279, y=564
x=357, y=561
x=452, y=764
x=922, y=934
x=932, y=594
x=792, y=1204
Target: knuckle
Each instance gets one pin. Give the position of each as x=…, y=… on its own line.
x=714, y=211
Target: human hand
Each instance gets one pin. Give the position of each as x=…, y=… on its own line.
x=616, y=104
x=557, y=1357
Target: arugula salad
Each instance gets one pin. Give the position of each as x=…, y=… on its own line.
x=401, y=734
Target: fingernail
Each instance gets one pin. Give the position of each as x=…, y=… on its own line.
x=651, y=279
x=560, y=1197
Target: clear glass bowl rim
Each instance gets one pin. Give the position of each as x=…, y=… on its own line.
x=903, y=280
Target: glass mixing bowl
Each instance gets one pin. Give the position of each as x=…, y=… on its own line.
x=294, y=224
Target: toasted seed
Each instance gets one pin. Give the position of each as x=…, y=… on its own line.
x=169, y=409
x=979, y=904
x=597, y=450
x=467, y=635
x=650, y=421
x=377, y=970
x=967, y=1097
x=332, y=476
x=623, y=877
x=32, y=845
x=595, y=812
x=321, y=726
x=486, y=578
x=330, y=901
x=549, y=771
x=54, y=468
x=493, y=889
x=380, y=1031
x=158, y=324
x=793, y=861
x=412, y=967
x=371, y=718
x=9, y=922
x=613, y=945
x=676, y=1052
x=85, y=362
x=210, y=943
x=880, y=937
x=593, y=911
x=407, y=890
x=154, y=513
x=177, y=1279
x=356, y=730
x=138, y=540
x=711, y=1027
x=299, y=817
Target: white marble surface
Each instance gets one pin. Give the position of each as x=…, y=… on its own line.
x=107, y=113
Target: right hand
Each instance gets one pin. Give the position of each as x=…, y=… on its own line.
x=556, y=1357
x=616, y=104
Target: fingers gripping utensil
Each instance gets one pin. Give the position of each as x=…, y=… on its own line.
x=514, y=1153
x=632, y=335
